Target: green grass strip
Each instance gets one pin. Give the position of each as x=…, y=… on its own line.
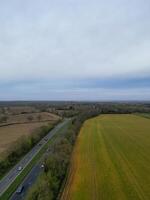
x=145, y=115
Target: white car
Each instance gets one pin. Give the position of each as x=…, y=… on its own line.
x=42, y=166
x=19, y=168
x=20, y=189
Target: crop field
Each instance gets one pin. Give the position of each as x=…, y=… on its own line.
x=146, y=115
x=111, y=160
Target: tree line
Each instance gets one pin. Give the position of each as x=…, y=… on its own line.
x=21, y=147
x=49, y=183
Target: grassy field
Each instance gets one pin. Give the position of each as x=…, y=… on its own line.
x=146, y=115
x=111, y=160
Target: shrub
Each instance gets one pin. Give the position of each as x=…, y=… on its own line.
x=21, y=147
x=56, y=165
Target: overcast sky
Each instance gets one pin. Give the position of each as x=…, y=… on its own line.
x=75, y=50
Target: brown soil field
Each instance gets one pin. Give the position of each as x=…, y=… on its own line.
x=17, y=109
x=29, y=117
x=11, y=133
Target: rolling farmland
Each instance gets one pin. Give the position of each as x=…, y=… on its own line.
x=111, y=160
x=19, y=125
x=9, y=134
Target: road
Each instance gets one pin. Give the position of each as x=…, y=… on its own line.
x=31, y=177
x=13, y=173
x=28, y=182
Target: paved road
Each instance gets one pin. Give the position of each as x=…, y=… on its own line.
x=13, y=173
x=31, y=177
x=28, y=182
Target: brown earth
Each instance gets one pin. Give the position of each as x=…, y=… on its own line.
x=29, y=117
x=22, y=125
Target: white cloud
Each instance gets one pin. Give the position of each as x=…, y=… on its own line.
x=43, y=39
x=99, y=94
x=56, y=41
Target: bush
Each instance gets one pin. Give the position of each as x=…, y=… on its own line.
x=56, y=165
x=21, y=147
x=30, y=118
x=40, y=191
x=3, y=119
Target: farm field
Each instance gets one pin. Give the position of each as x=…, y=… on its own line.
x=28, y=117
x=111, y=160
x=9, y=134
x=22, y=125
x=146, y=115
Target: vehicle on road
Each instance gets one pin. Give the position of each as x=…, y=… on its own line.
x=8, y=180
x=20, y=189
x=42, y=166
x=19, y=168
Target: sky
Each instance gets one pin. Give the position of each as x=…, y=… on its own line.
x=75, y=50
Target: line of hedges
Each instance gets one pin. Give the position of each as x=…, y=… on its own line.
x=49, y=183
x=21, y=147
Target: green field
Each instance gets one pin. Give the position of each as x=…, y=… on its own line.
x=146, y=115
x=111, y=160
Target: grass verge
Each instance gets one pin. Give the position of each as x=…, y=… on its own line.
x=146, y=115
